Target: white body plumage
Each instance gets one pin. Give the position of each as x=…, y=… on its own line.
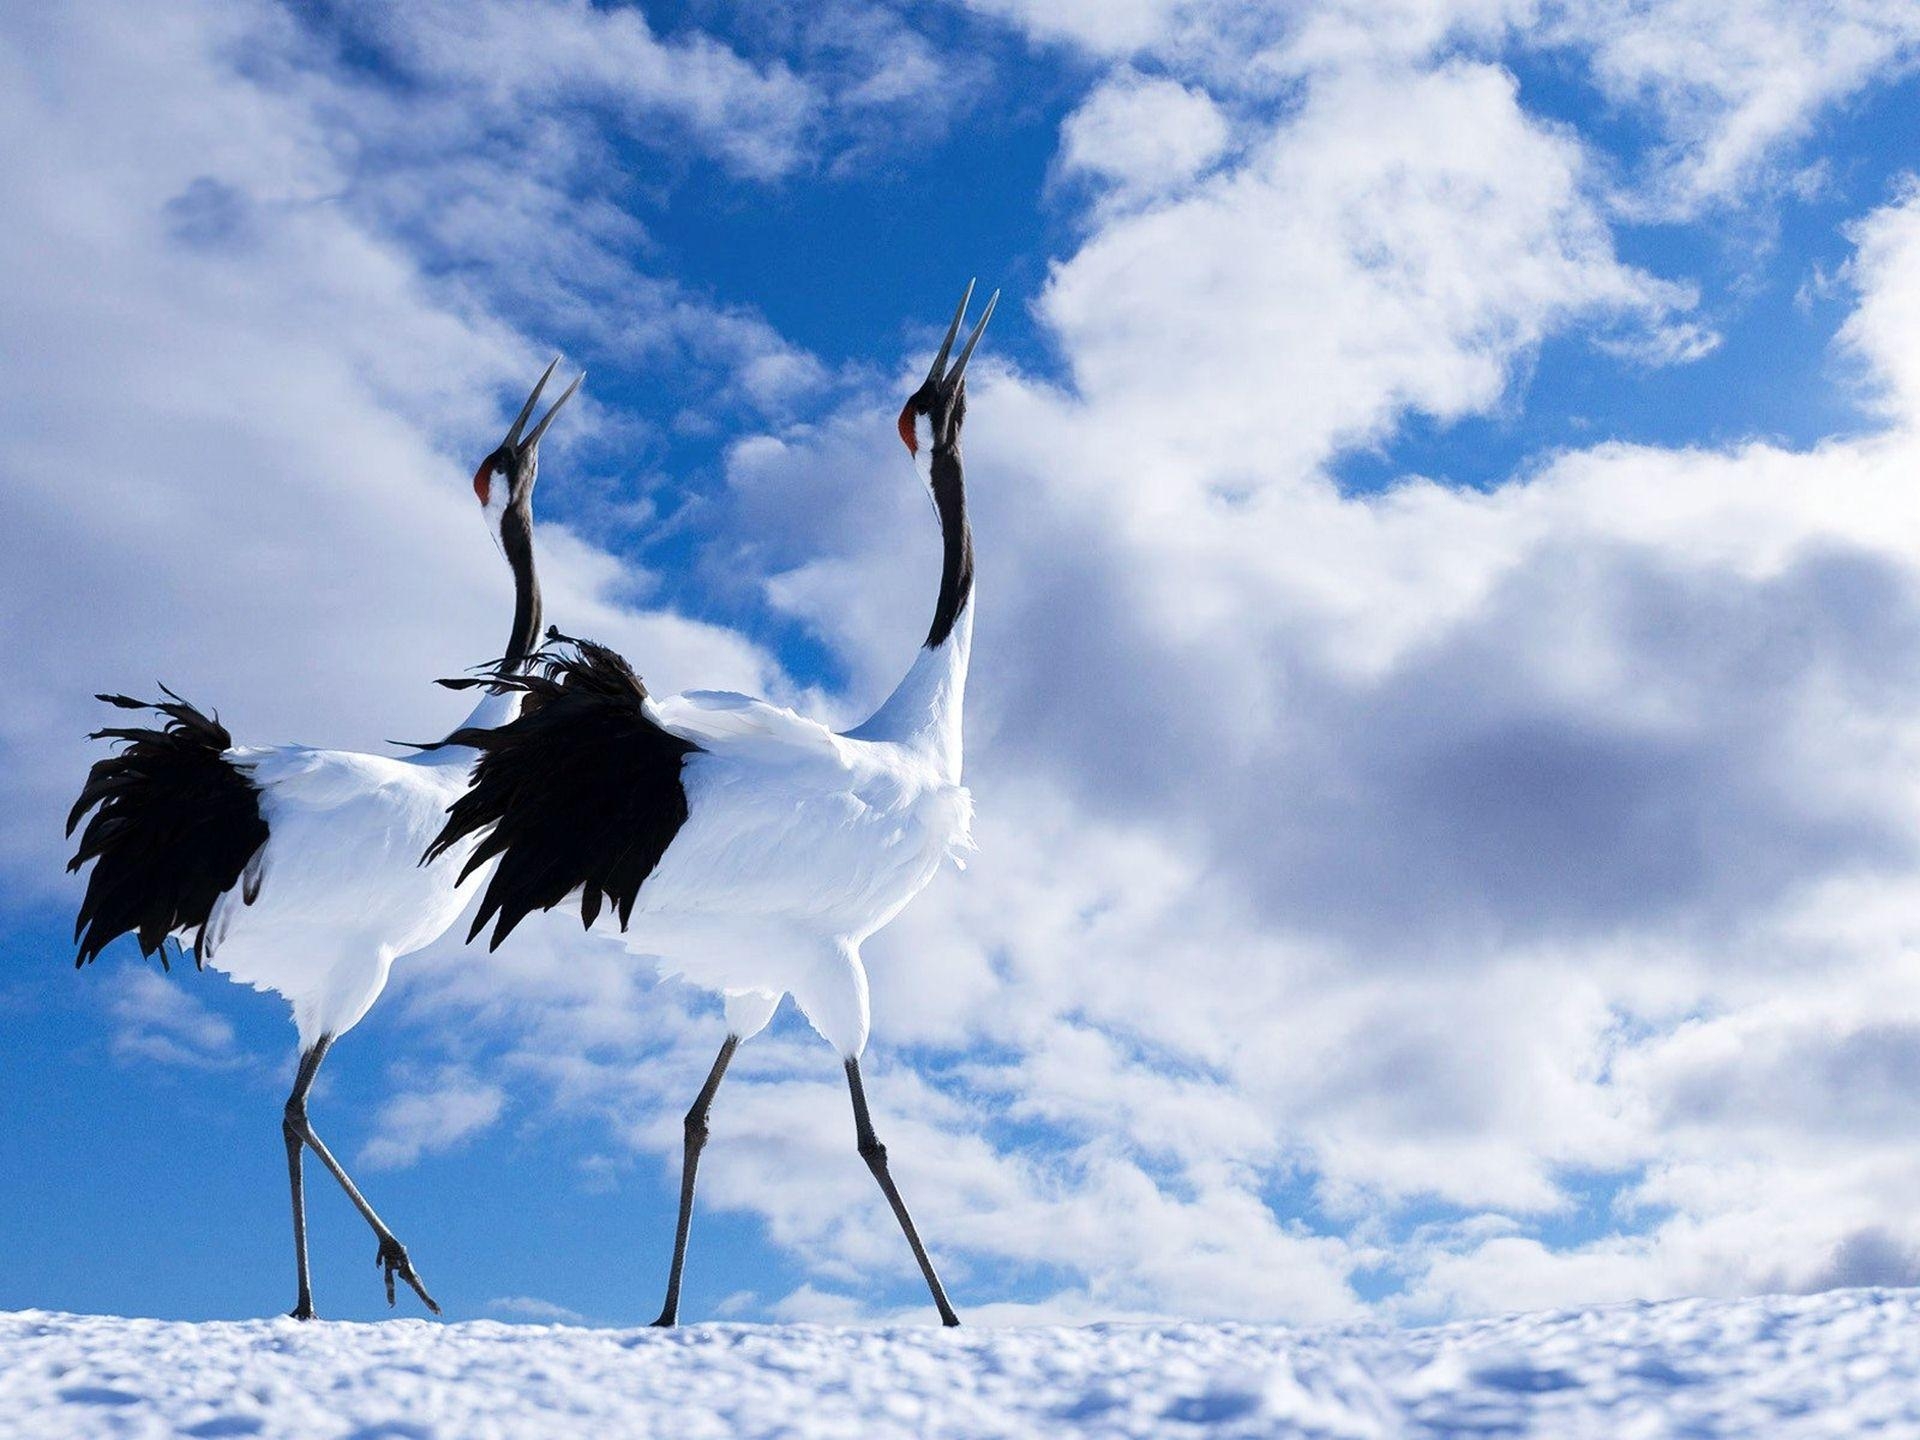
x=338, y=891
x=799, y=843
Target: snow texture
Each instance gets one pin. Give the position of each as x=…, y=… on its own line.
x=1843, y=1363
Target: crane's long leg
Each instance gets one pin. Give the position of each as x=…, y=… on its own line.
x=696, y=1141
x=393, y=1255
x=297, y=1103
x=875, y=1154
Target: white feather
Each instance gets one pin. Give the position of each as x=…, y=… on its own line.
x=800, y=843
x=338, y=890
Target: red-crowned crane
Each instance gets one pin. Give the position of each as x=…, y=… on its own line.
x=748, y=848
x=297, y=870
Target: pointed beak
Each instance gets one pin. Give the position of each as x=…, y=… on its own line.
x=966, y=351
x=547, y=419
x=946, y=345
x=513, y=435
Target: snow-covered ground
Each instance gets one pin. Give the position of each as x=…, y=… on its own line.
x=1841, y=1364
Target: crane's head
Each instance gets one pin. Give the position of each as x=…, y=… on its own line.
x=931, y=419
x=504, y=481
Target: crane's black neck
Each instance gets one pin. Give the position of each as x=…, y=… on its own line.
x=516, y=539
x=956, y=537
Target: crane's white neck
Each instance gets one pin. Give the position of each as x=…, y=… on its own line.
x=923, y=713
x=924, y=710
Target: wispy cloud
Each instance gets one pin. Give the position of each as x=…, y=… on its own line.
x=431, y=1114
x=157, y=1020
x=520, y=62
x=541, y=1312
x=1727, y=92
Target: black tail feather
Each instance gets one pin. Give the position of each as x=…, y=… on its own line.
x=173, y=825
x=581, y=793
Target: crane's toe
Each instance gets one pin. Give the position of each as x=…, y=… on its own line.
x=393, y=1260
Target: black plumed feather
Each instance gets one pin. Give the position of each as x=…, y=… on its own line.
x=581, y=792
x=173, y=825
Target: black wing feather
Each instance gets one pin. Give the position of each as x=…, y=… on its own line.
x=581, y=792
x=173, y=825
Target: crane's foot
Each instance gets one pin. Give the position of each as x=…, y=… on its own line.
x=301, y=1311
x=393, y=1259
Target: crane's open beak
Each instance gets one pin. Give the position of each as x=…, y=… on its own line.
x=937, y=376
x=513, y=444
x=513, y=440
x=513, y=435
x=952, y=377
x=939, y=360
x=547, y=419
x=966, y=350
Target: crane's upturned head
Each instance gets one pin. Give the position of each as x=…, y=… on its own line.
x=932, y=417
x=505, y=478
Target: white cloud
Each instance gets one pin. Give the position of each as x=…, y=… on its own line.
x=433, y=1114
x=1142, y=136
x=1728, y=90
x=238, y=446
x=1113, y=27
x=1732, y=86
x=1339, y=853
x=1442, y=812
x=524, y=59
x=536, y=1310
x=163, y=1021
x=1401, y=242
x=1886, y=334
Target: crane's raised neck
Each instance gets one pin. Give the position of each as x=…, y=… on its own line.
x=923, y=712
x=516, y=541
x=948, y=479
x=499, y=706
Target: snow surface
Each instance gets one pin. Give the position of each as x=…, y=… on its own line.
x=1840, y=1364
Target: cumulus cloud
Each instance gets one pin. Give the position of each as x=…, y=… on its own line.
x=1446, y=813
x=1887, y=265
x=1398, y=243
x=1505, y=853
x=1727, y=92
x=1142, y=136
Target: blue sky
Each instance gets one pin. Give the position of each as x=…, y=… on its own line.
x=1449, y=632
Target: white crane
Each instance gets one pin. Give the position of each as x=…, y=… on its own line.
x=748, y=848
x=297, y=870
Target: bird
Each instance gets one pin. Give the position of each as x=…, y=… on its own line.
x=748, y=849
x=292, y=869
